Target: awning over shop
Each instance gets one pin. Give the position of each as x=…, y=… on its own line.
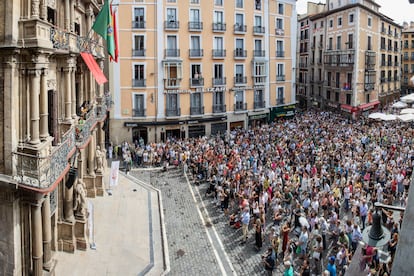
x=368, y=106
x=94, y=68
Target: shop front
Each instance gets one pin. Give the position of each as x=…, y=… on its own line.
x=218, y=128
x=196, y=131
x=257, y=120
x=236, y=125
x=365, y=109
x=332, y=106
x=282, y=111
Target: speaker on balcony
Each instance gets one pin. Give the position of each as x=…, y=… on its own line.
x=73, y=173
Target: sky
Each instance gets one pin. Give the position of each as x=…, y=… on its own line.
x=399, y=10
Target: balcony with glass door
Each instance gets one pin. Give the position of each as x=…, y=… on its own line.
x=197, y=82
x=219, y=81
x=240, y=28
x=240, y=53
x=139, y=112
x=138, y=24
x=139, y=82
x=258, y=30
x=195, y=53
x=138, y=52
x=280, y=77
x=219, y=53
x=195, y=26
x=240, y=106
x=219, y=108
x=240, y=80
x=173, y=111
x=219, y=27
x=172, y=53
x=196, y=110
x=171, y=25
x=259, y=53
x=259, y=104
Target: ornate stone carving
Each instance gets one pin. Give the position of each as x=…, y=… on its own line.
x=51, y=4
x=35, y=8
x=80, y=199
x=99, y=155
x=51, y=84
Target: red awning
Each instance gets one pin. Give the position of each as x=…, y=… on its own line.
x=346, y=108
x=94, y=68
x=368, y=106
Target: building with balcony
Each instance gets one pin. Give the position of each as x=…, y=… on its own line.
x=201, y=69
x=53, y=116
x=407, y=60
x=349, y=58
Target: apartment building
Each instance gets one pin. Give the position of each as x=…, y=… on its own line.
x=192, y=68
x=53, y=116
x=407, y=86
x=349, y=58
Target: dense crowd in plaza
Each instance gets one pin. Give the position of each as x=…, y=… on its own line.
x=303, y=188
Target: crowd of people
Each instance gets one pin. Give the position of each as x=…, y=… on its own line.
x=305, y=187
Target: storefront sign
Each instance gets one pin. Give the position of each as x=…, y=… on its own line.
x=259, y=116
x=198, y=90
x=241, y=88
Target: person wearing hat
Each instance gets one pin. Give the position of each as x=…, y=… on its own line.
x=288, y=269
x=331, y=267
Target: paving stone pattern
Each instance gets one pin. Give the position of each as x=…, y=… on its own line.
x=189, y=249
x=188, y=246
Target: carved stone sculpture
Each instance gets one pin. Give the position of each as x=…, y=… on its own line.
x=80, y=199
x=99, y=159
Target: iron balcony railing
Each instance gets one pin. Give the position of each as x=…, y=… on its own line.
x=259, y=104
x=219, y=27
x=194, y=82
x=240, y=53
x=196, y=110
x=139, y=112
x=219, y=108
x=196, y=53
x=240, y=80
x=171, y=25
x=220, y=53
x=195, y=26
x=172, y=52
x=139, y=82
x=219, y=81
x=138, y=24
x=239, y=28
x=173, y=112
x=138, y=53
x=258, y=30
x=240, y=106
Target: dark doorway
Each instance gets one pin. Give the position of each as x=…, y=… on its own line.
x=52, y=118
x=173, y=133
x=139, y=133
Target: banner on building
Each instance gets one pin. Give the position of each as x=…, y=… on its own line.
x=114, y=175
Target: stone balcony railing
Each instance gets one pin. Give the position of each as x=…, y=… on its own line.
x=38, y=171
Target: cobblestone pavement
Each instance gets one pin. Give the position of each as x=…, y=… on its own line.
x=190, y=251
x=189, y=248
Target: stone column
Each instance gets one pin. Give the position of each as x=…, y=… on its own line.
x=37, y=248
x=67, y=15
x=91, y=153
x=73, y=92
x=34, y=106
x=81, y=164
x=44, y=106
x=47, y=233
x=43, y=10
x=35, y=8
x=81, y=96
x=68, y=94
x=102, y=135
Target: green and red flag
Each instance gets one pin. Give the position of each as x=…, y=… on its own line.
x=116, y=52
x=104, y=27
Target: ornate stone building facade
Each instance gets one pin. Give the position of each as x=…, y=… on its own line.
x=52, y=124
